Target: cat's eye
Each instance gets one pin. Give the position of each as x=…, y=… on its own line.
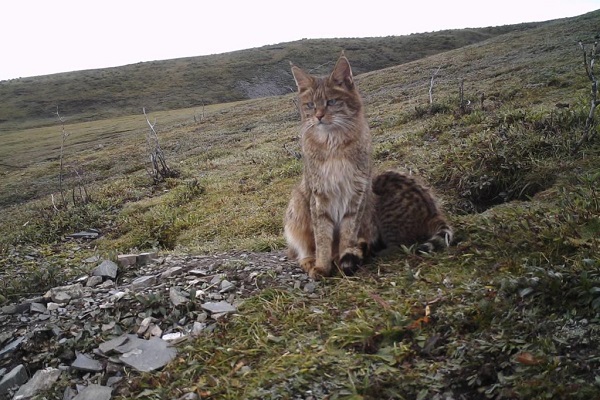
x=331, y=102
x=310, y=105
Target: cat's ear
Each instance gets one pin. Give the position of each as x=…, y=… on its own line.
x=303, y=80
x=342, y=73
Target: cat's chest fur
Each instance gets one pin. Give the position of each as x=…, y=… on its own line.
x=336, y=182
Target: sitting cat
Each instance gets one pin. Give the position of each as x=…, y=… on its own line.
x=338, y=213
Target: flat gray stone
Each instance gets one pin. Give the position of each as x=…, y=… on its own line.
x=143, y=282
x=219, y=307
x=197, y=328
x=130, y=343
x=38, y=308
x=310, y=287
x=145, y=258
x=173, y=271
x=93, y=281
x=92, y=260
x=89, y=234
x=15, y=308
x=63, y=294
x=112, y=344
x=178, y=296
x=106, y=269
x=125, y=260
x=84, y=362
x=16, y=377
x=42, y=380
x=94, y=392
x=9, y=348
x=226, y=286
x=147, y=355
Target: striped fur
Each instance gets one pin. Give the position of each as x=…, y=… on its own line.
x=406, y=213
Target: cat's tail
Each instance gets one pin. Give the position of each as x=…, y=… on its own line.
x=441, y=237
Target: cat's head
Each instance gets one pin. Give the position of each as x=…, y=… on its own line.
x=329, y=101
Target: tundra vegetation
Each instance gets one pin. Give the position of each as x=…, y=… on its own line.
x=510, y=311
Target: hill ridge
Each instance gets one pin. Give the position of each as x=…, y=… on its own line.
x=194, y=81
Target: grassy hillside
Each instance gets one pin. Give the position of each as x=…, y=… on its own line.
x=191, y=82
x=510, y=311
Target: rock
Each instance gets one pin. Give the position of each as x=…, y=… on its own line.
x=173, y=337
x=69, y=393
x=116, y=296
x=310, y=287
x=93, y=281
x=12, y=346
x=112, y=344
x=126, y=260
x=107, y=269
x=63, y=294
x=15, y=308
x=171, y=272
x=51, y=306
x=155, y=331
x=197, y=328
x=37, y=308
x=84, y=362
x=16, y=377
x=145, y=258
x=143, y=282
x=92, y=260
x=42, y=380
x=226, y=286
x=218, y=307
x=198, y=272
x=108, y=327
x=88, y=234
x=61, y=297
x=146, y=355
x=94, y=392
x=178, y=296
x=113, y=380
x=216, y=280
x=144, y=325
x=189, y=396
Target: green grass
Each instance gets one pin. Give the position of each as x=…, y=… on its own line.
x=510, y=311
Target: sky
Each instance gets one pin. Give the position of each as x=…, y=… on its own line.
x=39, y=37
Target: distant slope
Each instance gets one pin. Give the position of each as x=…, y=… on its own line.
x=188, y=82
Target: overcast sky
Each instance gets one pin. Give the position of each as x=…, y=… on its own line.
x=39, y=37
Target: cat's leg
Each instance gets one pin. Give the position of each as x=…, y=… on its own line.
x=298, y=230
x=356, y=231
x=323, y=226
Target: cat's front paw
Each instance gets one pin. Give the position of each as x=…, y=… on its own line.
x=308, y=265
x=313, y=269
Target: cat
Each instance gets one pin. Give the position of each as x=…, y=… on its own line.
x=339, y=214
x=407, y=213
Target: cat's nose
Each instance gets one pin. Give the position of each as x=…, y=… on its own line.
x=319, y=115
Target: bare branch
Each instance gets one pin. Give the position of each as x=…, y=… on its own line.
x=590, y=123
x=431, y=84
x=62, y=148
x=160, y=170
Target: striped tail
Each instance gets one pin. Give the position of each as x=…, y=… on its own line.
x=441, y=238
